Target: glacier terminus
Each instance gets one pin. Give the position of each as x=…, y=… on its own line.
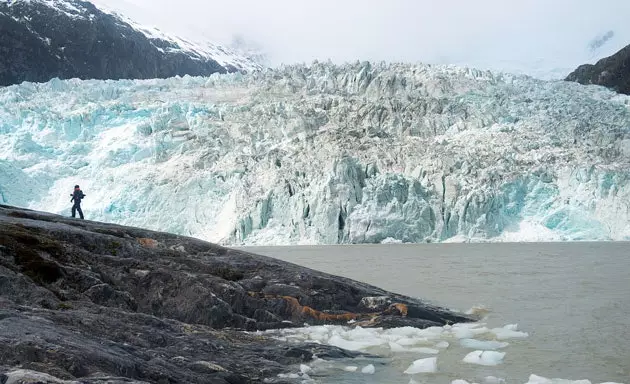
x=326, y=154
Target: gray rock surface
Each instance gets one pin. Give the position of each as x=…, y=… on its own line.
x=612, y=72
x=111, y=304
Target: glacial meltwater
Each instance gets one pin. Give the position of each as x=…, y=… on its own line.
x=563, y=309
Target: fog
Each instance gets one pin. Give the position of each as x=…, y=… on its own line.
x=517, y=35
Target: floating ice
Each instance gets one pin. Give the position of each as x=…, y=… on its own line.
x=493, y=380
x=467, y=333
x=407, y=340
x=511, y=327
x=368, y=369
x=482, y=344
x=427, y=365
x=312, y=155
x=350, y=345
x=429, y=351
x=478, y=310
x=535, y=379
x=395, y=347
x=403, y=340
x=509, y=332
x=484, y=357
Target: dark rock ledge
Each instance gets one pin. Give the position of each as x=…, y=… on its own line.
x=612, y=72
x=102, y=303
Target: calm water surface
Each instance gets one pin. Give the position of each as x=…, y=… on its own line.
x=572, y=298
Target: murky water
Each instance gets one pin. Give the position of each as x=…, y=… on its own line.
x=572, y=298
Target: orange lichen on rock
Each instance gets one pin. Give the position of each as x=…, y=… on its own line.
x=146, y=242
x=401, y=308
x=302, y=312
x=297, y=308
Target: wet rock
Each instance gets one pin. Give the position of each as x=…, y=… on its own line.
x=167, y=310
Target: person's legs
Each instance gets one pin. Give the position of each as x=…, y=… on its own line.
x=80, y=212
x=74, y=210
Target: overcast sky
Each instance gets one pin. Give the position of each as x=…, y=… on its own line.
x=538, y=35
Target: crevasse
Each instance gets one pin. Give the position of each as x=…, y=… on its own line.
x=324, y=154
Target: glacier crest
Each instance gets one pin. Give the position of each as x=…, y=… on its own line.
x=324, y=154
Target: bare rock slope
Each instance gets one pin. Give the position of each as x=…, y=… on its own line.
x=106, y=303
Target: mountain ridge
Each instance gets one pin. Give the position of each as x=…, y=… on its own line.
x=44, y=39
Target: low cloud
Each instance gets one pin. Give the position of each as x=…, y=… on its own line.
x=488, y=33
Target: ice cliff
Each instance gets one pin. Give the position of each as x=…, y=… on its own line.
x=321, y=154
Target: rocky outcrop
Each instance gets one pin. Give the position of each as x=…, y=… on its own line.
x=612, y=72
x=74, y=39
x=107, y=303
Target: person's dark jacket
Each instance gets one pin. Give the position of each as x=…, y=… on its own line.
x=77, y=196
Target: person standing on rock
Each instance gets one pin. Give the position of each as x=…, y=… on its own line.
x=77, y=196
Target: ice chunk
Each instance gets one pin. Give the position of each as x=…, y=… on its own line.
x=350, y=368
x=395, y=347
x=409, y=341
x=535, y=379
x=305, y=368
x=351, y=345
x=483, y=344
x=429, y=351
x=511, y=327
x=477, y=310
x=506, y=333
x=493, y=380
x=442, y=344
x=368, y=369
x=459, y=381
x=484, y=357
x=468, y=333
x=427, y=365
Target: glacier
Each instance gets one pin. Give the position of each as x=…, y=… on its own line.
x=326, y=154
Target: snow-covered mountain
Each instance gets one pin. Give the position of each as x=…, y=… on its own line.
x=327, y=154
x=43, y=39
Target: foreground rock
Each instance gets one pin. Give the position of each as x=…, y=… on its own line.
x=42, y=40
x=612, y=72
x=107, y=303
